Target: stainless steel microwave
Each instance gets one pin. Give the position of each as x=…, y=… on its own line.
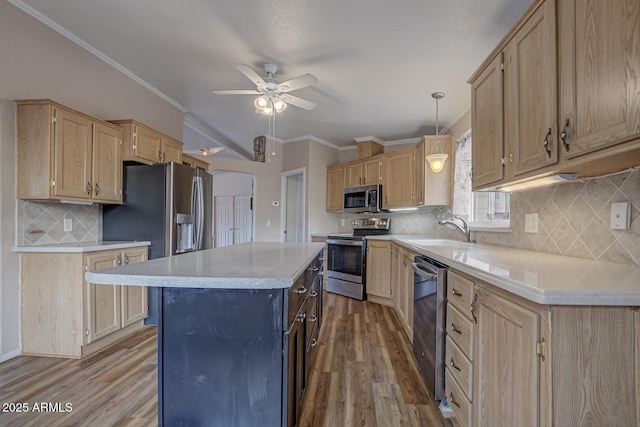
x=362, y=199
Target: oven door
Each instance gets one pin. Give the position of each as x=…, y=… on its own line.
x=345, y=259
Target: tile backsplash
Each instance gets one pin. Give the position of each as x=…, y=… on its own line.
x=573, y=220
x=42, y=223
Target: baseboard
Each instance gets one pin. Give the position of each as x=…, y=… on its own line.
x=10, y=355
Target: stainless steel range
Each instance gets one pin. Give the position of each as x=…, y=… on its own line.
x=346, y=266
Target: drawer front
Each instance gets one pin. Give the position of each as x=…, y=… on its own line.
x=297, y=294
x=460, y=330
x=459, y=292
x=460, y=368
x=462, y=408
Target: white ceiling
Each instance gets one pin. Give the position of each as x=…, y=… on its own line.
x=377, y=61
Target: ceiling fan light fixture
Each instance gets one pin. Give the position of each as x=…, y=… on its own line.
x=261, y=102
x=279, y=105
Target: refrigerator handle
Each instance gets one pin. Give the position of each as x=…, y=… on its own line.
x=197, y=208
x=200, y=212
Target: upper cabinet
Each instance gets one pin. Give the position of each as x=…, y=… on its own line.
x=599, y=74
x=434, y=189
x=559, y=94
x=66, y=155
x=335, y=187
x=363, y=172
x=399, y=179
x=194, y=162
x=146, y=145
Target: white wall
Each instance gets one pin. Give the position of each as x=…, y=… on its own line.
x=232, y=184
x=9, y=261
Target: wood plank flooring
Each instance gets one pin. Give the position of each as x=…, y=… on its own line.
x=364, y=375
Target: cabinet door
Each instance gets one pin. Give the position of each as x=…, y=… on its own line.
x=103, y=301
x=371, y=171
x=420, y=171
x=72, y=155
x=506, y=378
x=598, y=59
x=353, y=175
x=135, y=306
x=107, y=163
x=335, y=188
x=487, y=124
x=395, y=274
x=147, y=144
x=398, y=179
x=171, y=150
x=530, y=93
x=408, y=293
x=379, y=268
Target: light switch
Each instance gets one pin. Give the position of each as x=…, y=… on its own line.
x=620, y=216
x=531, y=223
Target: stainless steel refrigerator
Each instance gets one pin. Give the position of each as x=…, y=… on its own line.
x=168, y=204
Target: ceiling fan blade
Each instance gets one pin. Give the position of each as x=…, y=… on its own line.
x=297, y=83
x=236, y=92
x=298, y=102
x=251, y=75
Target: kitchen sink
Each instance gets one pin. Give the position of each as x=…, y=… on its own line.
x=434, y=242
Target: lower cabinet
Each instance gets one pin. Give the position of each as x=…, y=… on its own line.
x=525, y=364
x=379, y=271
x=65, y=316
x=402, y=286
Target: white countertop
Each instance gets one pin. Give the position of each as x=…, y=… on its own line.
x=539, y=277
x=80, y=247
x=243, y=266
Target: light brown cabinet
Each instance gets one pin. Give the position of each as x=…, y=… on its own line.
x=335, y=187
x=65, y=316
x=402, y=286
x=194, y=162
x=513, y=362
x=146, y=145
x=434, y=189
x=379, y=270
x=398, y=179
x=514, y=103
x=559, y=94
x=363, y=172
x=66, y=155
x=599, y=59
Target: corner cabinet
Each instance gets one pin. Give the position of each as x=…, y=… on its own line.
x=66, y=155
x=335, y=187
x=510, y=361
x=65, y=316
x=146, y=145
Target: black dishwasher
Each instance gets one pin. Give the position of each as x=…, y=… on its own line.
x=429, y=292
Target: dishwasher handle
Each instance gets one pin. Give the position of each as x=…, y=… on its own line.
x=424, y=271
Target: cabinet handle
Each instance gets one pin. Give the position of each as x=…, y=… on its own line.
x=88, y=188
x=453, y=400
x=164, y=156
x=313, y=318
x=454, y=329
x=455, y=293
x=97, y=189
x=472, y=308
x=300, y=317
x=452, y=363
x=314, y=342
x=159, y=155
x=118, y=259
x=301, y=290
x=126, y=259
x=563, y=134
x=315, y=269
x=547, y=142
x=313, y=294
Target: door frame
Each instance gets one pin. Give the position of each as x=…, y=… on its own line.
x=283, y=198
x=253, y=195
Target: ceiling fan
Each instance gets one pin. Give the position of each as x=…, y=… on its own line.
x=274, y=95
x=210, y=151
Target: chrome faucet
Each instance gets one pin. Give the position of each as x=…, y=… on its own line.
x=463, y=229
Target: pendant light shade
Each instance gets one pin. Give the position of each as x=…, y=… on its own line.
x=437, y=158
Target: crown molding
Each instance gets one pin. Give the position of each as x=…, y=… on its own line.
x=369, y=138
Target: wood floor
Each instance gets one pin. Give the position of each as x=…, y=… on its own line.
x=364, y=375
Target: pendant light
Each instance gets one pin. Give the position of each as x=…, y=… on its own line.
x=437, y=158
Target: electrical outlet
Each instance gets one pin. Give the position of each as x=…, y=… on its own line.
x=68, y=225
x=620, y=216
x=342, y=222
x=531, y=223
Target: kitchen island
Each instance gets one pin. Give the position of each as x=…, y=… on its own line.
x=236, y=331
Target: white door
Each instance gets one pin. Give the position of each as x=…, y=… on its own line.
x=243, y=219
x=224, y=221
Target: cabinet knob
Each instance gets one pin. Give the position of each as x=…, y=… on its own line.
x=126, y=259
x=97, y=189
x=453, y=400
x=88, y=188
x=118, y=259
x=159, y=155
x=564, y=134
x=452, y=363
x=313, y=318
x=547, y=142
x=456, y=330
x=455, y=293
x=314, y=342
x=301, y=290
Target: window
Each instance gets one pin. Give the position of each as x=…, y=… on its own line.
x=483, y=209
